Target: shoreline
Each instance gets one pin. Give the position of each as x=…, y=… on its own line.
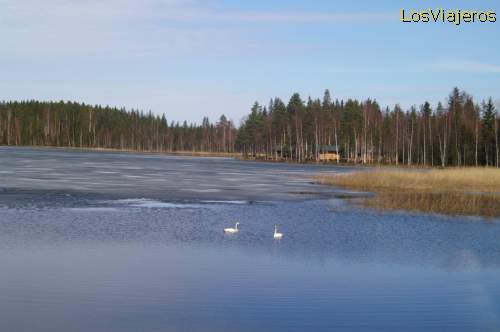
x=459, y=191
x=204, y=154
x=239, y=156
x=88, y=149
x=451, y=191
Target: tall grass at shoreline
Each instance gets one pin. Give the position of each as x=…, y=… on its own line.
x=460, y=191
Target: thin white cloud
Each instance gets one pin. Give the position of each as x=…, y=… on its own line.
x=195, y=11
x=468, y=66
x=108, y=28
x=298, y=17
x=88, y=8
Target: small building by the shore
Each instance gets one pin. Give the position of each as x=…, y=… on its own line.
x=329, y=153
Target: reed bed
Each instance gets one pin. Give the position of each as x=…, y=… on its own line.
x=460, y=191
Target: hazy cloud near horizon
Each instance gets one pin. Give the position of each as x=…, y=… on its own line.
x=195, y=58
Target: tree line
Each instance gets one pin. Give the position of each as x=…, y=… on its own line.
x=68, y=124
x=461, y=132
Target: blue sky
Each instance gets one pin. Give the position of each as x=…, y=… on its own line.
x=191, y=58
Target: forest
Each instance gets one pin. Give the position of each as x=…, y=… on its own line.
x=68, y=124
x=460, y=132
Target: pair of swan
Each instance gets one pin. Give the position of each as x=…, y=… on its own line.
x=231, y=230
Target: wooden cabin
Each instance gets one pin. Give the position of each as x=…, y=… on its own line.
x=329, y=153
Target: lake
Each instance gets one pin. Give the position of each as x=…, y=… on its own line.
x=106, y=241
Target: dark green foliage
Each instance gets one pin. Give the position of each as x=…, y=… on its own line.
x=455, y=135
x=67, y=124
x=489, y=124
x=462, y=133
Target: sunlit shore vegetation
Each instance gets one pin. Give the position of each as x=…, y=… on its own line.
x=459, y=191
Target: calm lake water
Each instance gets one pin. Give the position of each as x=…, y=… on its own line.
x=133, y=242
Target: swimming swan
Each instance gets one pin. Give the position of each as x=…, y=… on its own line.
x=232, y=230
x=277, y=235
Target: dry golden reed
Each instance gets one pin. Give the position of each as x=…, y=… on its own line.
x=459, y=191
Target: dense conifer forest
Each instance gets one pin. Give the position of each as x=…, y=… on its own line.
x=460, y=132
x=67, y=124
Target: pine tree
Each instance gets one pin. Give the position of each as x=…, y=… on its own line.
x=490, y=141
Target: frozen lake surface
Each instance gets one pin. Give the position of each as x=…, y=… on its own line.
x=155, y=176
x=133, y=242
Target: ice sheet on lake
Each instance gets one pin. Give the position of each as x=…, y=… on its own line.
x=226, y=202
x=149, y=203
x=158, y=177
x=92, y=209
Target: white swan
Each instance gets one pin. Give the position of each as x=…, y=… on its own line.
x=232, y=230
x=277, y=235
